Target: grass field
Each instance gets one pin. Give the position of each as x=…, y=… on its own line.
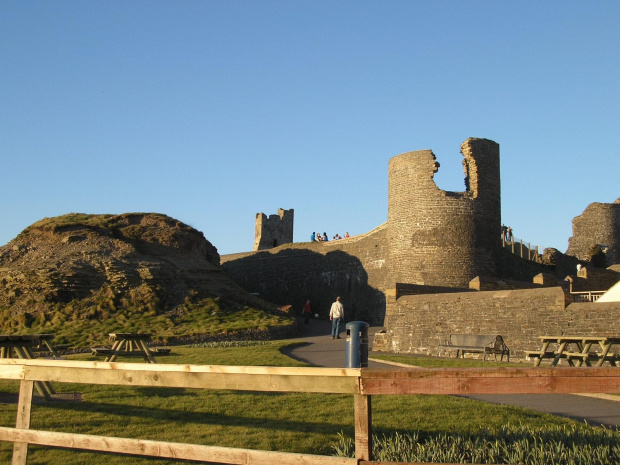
x=308, y=423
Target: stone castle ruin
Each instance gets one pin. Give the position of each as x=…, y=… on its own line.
x=438, y=264
x=441, y=238
x=598, y=225
x=273, y=231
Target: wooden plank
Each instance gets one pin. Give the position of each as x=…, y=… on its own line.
x=539, y=354
x=122, y=353
x=44, y=389
x=297, y=371
x=265, y=379
x=11, y=371
x=169, y=450
x=363, y=427
x=24, y=407
x=148, y=356
x=226, y=381
x=491, y=381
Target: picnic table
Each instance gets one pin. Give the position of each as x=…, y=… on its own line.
x=127, y=344
x=576, y=350
x=22, y=345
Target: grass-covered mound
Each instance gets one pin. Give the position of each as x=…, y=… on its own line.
x=82, y=276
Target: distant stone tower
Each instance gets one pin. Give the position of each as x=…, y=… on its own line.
x=441, y=238
x=599, y=224
x=273, y=231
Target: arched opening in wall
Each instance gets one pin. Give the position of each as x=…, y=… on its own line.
x=450, y=177
x=275, y=242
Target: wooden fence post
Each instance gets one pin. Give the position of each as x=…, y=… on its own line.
x=363, y=427
x=24, y=406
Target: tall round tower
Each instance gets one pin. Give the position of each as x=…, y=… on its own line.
x=441, y=238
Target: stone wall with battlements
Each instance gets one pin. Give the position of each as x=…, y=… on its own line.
x=434, y=243
x=418, y=323
x=433, y=238
x=353, y=268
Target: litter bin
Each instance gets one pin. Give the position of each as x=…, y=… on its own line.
x=356, y=345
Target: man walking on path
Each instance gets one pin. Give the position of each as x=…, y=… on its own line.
x=335, y=315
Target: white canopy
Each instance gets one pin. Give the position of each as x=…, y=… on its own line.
x=612, y=295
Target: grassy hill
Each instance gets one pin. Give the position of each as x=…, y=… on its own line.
x=81, y=276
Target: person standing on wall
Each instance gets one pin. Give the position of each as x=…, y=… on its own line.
x=336, y=314
x=306, y=312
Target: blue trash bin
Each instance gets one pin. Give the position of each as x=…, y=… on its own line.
x=356, y=345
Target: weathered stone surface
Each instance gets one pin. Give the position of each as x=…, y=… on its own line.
x=275, y=230
x=442, y=238
x=418, y=323
x=352, y=268
x=599, y=224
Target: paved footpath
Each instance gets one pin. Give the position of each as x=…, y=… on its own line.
x=323, y=351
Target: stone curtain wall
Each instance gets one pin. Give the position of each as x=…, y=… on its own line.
x=354, y=269
x=444, y=238
x=417, y=324
x=519, y=269
x=598, y=224
x=273, y=231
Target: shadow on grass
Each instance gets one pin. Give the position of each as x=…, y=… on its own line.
x=204, y=417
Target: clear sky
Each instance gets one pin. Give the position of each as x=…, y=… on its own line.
x=213, y=111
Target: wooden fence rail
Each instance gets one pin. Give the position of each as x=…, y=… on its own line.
x=361, y=383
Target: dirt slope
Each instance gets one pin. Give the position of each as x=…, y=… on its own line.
x=93, y=266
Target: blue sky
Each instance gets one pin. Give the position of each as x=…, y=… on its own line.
x=213, y=111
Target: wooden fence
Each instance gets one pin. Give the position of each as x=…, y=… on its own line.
x=362, y=384
x=518, y=247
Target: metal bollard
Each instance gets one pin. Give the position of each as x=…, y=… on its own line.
x=356, y=345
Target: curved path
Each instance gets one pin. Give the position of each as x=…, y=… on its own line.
x=323, y=351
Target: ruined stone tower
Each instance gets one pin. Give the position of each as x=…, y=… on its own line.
x=599, y=224
x=273, y=231
x=442, y=238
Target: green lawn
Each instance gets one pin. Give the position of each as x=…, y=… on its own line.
x=440, y=362
x=295, y=422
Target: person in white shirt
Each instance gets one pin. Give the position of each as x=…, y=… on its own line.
x=336, y=315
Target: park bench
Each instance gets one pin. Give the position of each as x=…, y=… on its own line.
x=485, y=344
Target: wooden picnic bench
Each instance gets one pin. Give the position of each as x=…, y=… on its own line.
x=107, y=351
x=24, y=345
x=576, y=350
x=485, y=344
x=129, y=344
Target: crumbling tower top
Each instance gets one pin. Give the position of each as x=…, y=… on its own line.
x=273, y=231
